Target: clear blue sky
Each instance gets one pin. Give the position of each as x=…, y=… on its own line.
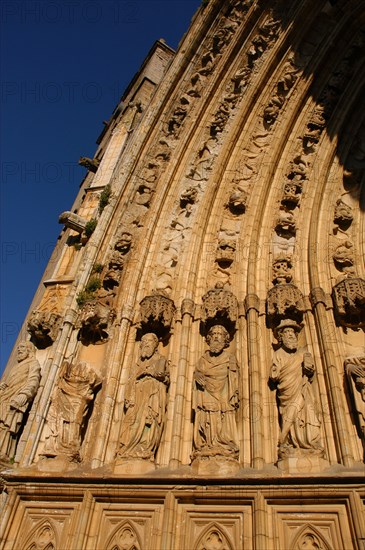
x=64, y=66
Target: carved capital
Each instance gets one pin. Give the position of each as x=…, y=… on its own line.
x=317, y=296
x=187, y=307
x=252, y=301
x=127, y=313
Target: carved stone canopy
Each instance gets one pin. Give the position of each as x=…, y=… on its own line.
x=219, y=305
x=156, y=314
x=43, y=328
x=284, y=301
x=349, y=302
x=95, y=321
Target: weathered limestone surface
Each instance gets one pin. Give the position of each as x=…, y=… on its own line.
x=195, y=371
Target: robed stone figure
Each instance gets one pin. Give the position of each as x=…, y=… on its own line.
x=17, y=392
x=216, y=399
x=145, y=403
x=292, y=372
x=70, y=404
x=355, y=370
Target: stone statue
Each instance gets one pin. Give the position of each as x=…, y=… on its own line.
x=145, y=403
x=69, y=407
x=216, y=399
x=17, y=392
x=292, y=373
x=355, y=370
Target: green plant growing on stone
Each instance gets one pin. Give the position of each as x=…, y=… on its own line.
x=88, y=295
x=104, y=198
x=97, y=268
x=90, y=227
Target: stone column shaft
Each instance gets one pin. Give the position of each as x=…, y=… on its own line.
x=181, y=384
x=335, y=393
x=102, y=436
x=252, y=304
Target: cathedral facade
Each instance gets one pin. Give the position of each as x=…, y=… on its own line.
x=194, y=372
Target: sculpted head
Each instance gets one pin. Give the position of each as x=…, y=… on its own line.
x=217, y=339
x=148, y=345
x=287, y=336
x=25, y=349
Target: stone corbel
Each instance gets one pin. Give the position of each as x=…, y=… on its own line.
x=73, y=221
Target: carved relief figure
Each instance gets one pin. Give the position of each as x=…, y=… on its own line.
x=145, y=403
x=355, y=370
x=17, y=392
x=69, y=407
x=292, y=373
x=216, y=399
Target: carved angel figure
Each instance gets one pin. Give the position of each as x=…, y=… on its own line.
x=292, y=372
x=145, y=403
x=215, y=399
x=17, y=392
